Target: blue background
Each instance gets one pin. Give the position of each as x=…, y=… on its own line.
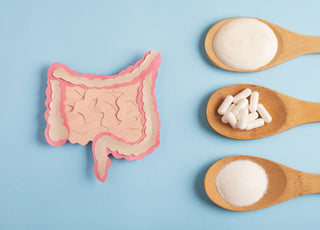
x=45, y=187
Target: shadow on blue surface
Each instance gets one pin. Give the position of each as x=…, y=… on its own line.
x=199, y=185
x=89, y=161
x=202, y=48
x=42, y=108
x=202, y=118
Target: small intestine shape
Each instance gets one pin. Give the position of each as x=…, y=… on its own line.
x=117, y=113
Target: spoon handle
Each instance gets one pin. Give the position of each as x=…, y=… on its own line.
x=295, y=44
x=310, y=112
x=310, y=44
x=307, y=183
x=300, y=112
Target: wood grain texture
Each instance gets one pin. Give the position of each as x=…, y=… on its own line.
x=287, y=112
x=290, y=45
x=284, y=183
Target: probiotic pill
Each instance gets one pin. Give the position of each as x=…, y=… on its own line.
x=243, y=94
x=243, y=119
x=225, y=105
x=243, y=111
x=254, y=98
x=264, y=113
x=231, y=107
x=231, y=119
x=242, y=104
x=255, y=124
x=252, y=116
x=223, y=119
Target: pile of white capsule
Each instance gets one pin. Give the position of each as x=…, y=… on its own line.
x=242, y=113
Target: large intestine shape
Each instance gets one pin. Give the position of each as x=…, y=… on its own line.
x=117, y=113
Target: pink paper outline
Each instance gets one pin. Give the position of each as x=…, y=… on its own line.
x=127, y=157
x=152, y=67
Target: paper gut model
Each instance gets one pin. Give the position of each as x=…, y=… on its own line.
x=117, y=113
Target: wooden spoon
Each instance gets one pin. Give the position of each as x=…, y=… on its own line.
x=284, y=183
x=290, y=45
x=286, y=112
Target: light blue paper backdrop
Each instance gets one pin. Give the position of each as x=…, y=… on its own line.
x=45, y=187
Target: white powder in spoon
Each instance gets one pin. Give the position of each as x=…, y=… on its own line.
x=245, y=44
x=242, y=182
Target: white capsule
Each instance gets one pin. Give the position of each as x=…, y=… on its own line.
x=243, y=119
x=231, y=107
x=243, y=94
x=253, y=116
x=255, y=124
x=244, y=107
x=223, y=119
x=225, y=105
x=242, y=104
x=264, y=113
x=231, y=119
x=254, y=98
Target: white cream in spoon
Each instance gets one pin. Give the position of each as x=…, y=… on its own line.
x=245, y=44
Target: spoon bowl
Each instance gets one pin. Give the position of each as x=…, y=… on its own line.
x=290, y=45
x=286, y=112
x=284, y=183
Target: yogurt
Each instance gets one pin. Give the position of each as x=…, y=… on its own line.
x=245, y=44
